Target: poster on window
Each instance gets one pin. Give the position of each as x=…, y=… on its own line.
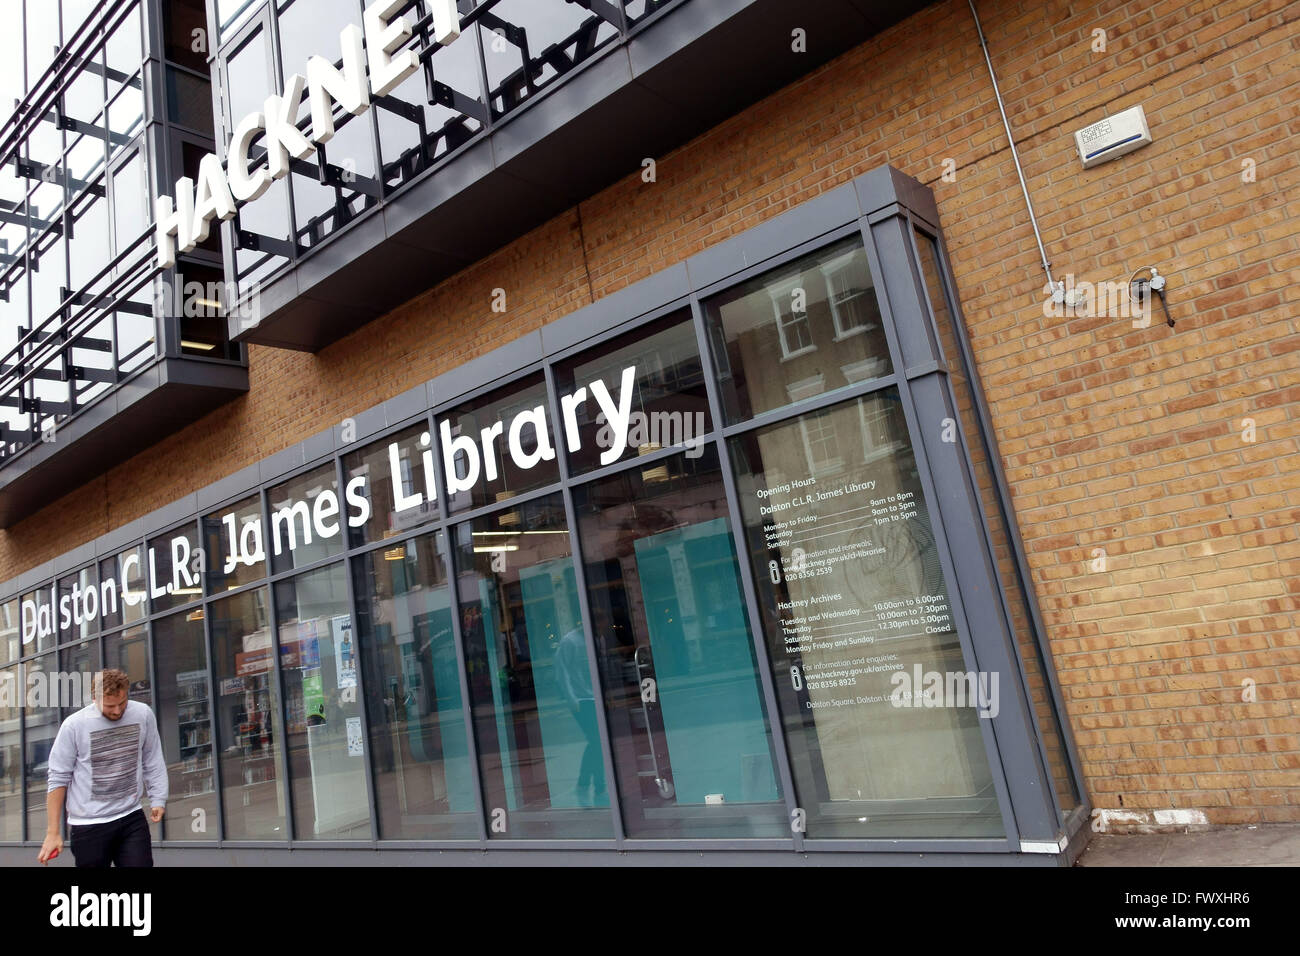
x=344, y=653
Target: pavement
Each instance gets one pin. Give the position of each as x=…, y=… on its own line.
x=1273, y=844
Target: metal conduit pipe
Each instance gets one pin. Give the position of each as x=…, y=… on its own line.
x=1011, y=141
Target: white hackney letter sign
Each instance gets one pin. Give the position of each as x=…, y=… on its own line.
x=371, y=67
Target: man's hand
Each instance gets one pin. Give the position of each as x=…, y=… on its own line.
x=156, y=814
x=51, y=848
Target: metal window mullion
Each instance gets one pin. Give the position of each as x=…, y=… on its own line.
x=361, y=673
x=757, y=634
x=580, y=582
x=282, y=731
x=20, y=672
x=153, y=694
x=1011, y=528
x=213, y=739
x=966, y=614
x=453, y=602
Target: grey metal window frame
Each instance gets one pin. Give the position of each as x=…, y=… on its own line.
x=883, y=208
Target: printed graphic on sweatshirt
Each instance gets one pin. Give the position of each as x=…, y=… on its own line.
x=113, y=756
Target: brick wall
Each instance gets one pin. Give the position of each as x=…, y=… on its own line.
x=1124, y=439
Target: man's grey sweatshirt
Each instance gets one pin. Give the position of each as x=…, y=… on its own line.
x=105, y=763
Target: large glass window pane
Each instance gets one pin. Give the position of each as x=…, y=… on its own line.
x=668, y=406
x=318, y=663
x=40, y=622
x=78, y=605
x=1032, y=654
x=232, y=13
x=860, y=630
x=306, y=520
x=249, y=80
x=397, y=470
x=528, y=45
x=174, y=568
x=128, y=594
x=124, y=50
x=42, y=39
x=84, y=96
x=71, y=685
x=688, y=725
x=248, y=707
x=418, y=743
x=136, y=330
x=530, y=680
x=189, y=100
x=11, y=638
x=88, y=246
x=799, y=331
x=185, y=725
x=234, y=545
x=11, y=757
x=455, y=68
x=181, y=18
x=41, y=721
x=130, y=203
x=128, y=651
x=498, y=446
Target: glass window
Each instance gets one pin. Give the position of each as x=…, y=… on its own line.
x=234, y=545
x=39, y=621
x=318, y=664
x=1032, y=653
x=42, y=44
x=804, y=329
x=84, y=96
x=185, y=725
x=130, y=216
x=688, y=726
x=126, y=114
x=41, y=721
x=528, y=45
x=667, y=408
x=175, y=568
x=455, y=71
x=78, y=605
x=11, y=757
x=394, y=470
x=72, y=684
x=11, y=638
x=135, y=330
x=529, y=676
x=249, y=81
x=128, y=651
x=311, y=28
x=181, y=20
x=861, y=632
x=232, y=13
x=306, y=520
x=496, y=447
x=202, y=311
x=248, y=707
x=88, y=245
x=418, y=738
x=124, y=593
x=189, y=100
x=124, y=50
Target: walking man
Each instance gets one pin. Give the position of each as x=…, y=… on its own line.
x=101, y=759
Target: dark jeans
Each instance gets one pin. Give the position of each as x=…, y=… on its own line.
x=122, y=842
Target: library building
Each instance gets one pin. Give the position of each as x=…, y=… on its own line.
x=654, y=431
